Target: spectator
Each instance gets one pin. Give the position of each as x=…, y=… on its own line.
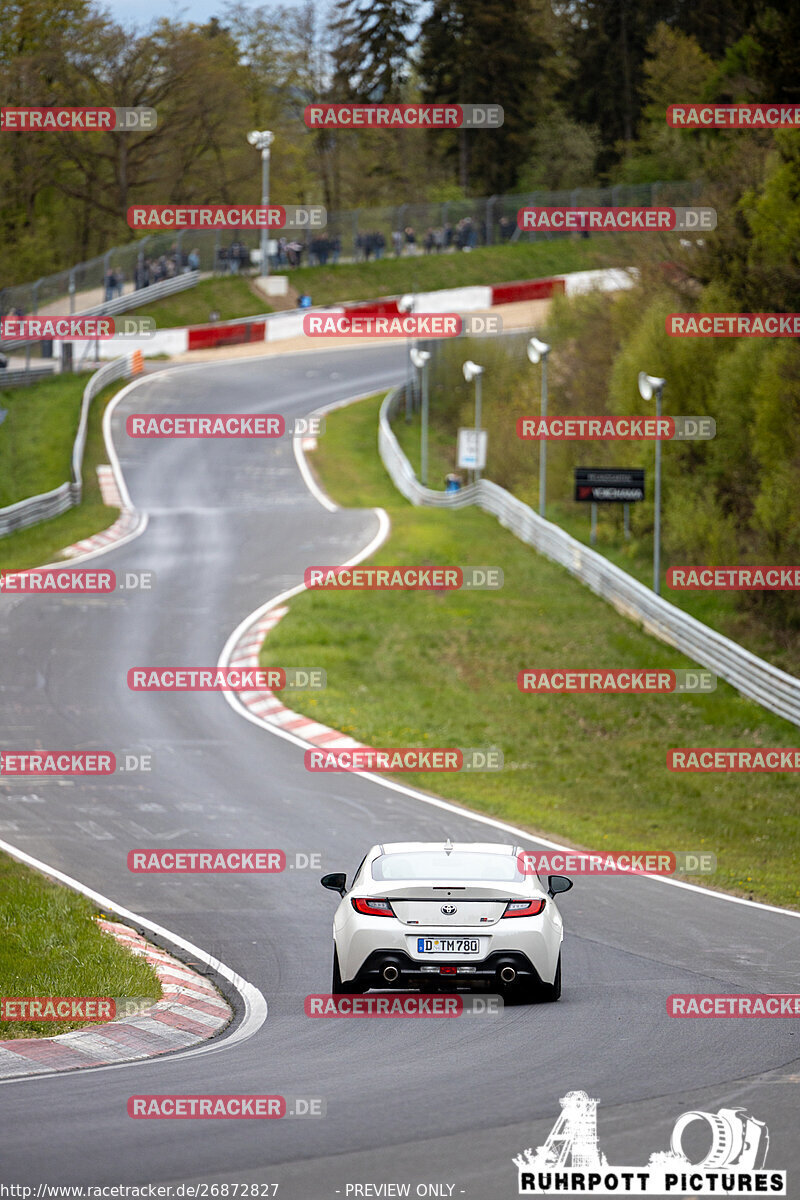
x=397, y=243
x=411, y=240
x=336, y=247
x=193, y=261
x=380, y=244
x=430, y=241
x=119, y=280
x=109, y=285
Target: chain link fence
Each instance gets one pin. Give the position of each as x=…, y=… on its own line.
x=353, y=235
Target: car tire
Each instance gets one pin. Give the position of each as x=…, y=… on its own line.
x=548, y=992
x=337, y=987
x=534, y=992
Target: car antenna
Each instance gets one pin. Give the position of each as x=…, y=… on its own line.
x=448, y=846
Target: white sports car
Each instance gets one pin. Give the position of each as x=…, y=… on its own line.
x=441, y=916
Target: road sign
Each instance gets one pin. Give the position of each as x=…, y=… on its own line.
x=472, y=449
x=606, y=485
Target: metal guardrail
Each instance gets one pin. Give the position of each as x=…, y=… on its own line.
x=770, y=687
x=22, y=378
x=34, y=509
x=141, y=296
x=135, y=299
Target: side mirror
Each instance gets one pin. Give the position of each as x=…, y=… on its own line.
x=337, y=882
x=558, y=883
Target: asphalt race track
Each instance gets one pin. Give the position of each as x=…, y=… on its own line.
x=446, y=1102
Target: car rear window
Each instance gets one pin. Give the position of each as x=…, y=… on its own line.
x=458, y=864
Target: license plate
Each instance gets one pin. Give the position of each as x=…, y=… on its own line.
x=458, y=945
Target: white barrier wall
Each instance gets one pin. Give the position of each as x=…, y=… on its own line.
x=611, y=280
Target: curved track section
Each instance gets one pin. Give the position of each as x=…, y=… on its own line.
x=418, y=1102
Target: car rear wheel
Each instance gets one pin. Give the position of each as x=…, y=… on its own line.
x=337, y=989
x=534, y=992
x=552, y=991
x=340, y=987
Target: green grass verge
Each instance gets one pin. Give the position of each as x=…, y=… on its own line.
x=482, y=266
x=720, y=610
x=50, y=945
x=42, y=543
x=424, y=669
x=37, y=434
x=230, y=295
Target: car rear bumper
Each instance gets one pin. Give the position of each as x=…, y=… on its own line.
x=457, y=974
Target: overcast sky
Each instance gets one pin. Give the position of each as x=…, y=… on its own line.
x=144, y=12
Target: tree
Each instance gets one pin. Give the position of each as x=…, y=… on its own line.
x=675, y=70
x=372, y=46
x=492, y=52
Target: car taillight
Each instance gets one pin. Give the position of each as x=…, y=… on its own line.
x=372, y=908
x=524, y=908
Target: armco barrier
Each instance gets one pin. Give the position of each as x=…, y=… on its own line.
x=22, y=378
x=51, y=504
x=752, y=676
x=121, y=304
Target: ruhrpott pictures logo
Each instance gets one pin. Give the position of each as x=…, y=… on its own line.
x=571, y=1163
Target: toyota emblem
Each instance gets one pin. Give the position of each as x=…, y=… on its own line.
x=449, y=909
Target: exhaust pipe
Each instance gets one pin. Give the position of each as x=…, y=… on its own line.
x=390, y=973
x=508, y=974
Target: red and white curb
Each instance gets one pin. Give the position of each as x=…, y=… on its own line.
x=265, y=705
x=190, y=1011
x=126, y=523
x=109, y=488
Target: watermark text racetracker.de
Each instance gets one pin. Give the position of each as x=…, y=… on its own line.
x=623, y=429
x=734, y=579
x=221, y=425
x=719, y=324
x=734, y=758
x=404, y=578
x=237, y=1107
x=227, y=216
x=733, y=116
x=409, y=758
x=619, y=220
x=226, y=679
x=601, y=680
x=227, y=861
x=35, y=763
x=621, y=862
x=58, y=1008
x=39, y=120
x=403, y=116
x=94, y=329
x=74, y=582
x=734, y=1005
x=400, y=325
x=402, y=1004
